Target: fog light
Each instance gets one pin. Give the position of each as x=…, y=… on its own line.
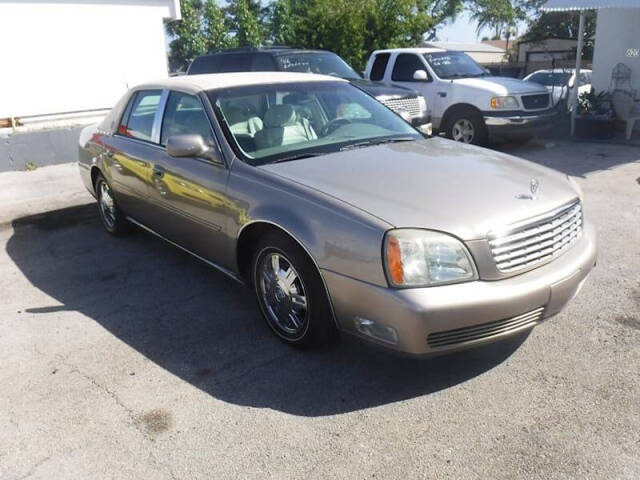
x=379, y=332
x=426, y=129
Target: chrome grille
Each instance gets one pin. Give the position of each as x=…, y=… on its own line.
x=410, y=104
x=541, y=239
x=533, y=102
x=485, y=330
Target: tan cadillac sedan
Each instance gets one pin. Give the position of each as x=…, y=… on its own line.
x=338, y=213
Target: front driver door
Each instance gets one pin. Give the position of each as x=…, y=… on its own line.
x=190, y=191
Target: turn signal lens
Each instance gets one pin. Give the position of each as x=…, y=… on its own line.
x=394, y=260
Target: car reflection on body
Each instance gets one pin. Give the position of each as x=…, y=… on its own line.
x=339, y=214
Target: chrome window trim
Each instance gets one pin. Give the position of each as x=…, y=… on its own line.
x=159, y=117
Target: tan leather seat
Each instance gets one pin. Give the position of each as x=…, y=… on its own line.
x=283, y=127
x=241, y=122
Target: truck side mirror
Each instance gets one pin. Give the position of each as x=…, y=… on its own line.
x=420, y=76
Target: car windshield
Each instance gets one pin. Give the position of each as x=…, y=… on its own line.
x=549, y=79
x=279, y=122
x=449, y=65
x=316, y=62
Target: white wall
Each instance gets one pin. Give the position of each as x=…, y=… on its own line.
x=64, y=56
x=617, y=40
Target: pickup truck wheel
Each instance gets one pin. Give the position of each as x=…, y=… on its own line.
x=467, y=126
x=290, y=293
x=113, y=219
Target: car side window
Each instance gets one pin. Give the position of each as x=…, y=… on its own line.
x=262, y=62
x=379, y=66
x=234, y=62
x=137, y=122
x=183, y=115
x=405, y=66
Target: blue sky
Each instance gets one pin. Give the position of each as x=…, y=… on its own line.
x=464, y=30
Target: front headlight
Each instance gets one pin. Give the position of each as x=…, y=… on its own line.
x=422, y=103
x=504, y=103
x=421, y=258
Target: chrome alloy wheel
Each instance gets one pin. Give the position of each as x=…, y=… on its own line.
x=283, y=294
x=463, y=131
x=107, y=205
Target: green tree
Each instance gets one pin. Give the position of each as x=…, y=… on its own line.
x=354, y=28
x=245, y=20
x=501, y=16
x=188, y=41
x=216, y=27
x=562, y=25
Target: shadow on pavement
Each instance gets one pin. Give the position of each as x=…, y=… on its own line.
x=206, y=329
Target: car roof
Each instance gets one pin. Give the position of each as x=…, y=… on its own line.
x=560, y=70
x=411, y=50
x=212, y=81
x=272, y=50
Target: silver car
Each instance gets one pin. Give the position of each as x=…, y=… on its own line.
x=339, y=214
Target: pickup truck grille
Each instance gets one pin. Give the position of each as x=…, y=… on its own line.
x=408, y=103
x=537, y=241
x=535, y=102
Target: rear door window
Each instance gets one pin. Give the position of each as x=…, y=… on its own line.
x=379, y=66
x=140, y=115
x=405, y=66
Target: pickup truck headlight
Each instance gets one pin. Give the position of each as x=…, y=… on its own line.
x=422, y=258
x=504, y=103
x=422, y=103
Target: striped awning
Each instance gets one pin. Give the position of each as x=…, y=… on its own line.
x=564, y=5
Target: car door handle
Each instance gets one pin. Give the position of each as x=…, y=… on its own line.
x=158, y=172
x=442, y=94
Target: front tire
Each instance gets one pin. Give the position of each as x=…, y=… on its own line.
x=113, y=219
x=466, y=125
x=290, y=293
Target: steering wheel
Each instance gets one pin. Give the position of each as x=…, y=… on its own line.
x=333, y=125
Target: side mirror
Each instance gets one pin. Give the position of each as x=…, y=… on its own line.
x=420, y=76
x=190, y=145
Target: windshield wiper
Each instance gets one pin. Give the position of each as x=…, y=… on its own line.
x=377, y=141
x=299, y=156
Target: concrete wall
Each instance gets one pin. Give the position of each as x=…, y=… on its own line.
x=38, y=149
x=617, y=40
x=64, y=55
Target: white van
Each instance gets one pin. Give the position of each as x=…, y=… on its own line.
x=466, y=102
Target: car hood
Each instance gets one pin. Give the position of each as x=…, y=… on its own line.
x=501, y=85
x=378, y=89
x=435, y=183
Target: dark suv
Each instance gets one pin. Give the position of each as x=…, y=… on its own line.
x=405, y=102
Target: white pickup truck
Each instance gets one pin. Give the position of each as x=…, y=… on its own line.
x=466, y=102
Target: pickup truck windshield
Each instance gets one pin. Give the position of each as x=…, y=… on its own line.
x=450, y=65
x=316, y=62
x=286, y=121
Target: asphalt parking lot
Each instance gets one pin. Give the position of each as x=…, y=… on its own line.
x=125, y=358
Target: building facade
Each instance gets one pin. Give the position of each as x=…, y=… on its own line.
x=69, y=57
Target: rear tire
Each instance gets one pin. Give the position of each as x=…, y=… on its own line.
x=290, y=293
x=113, y=218
x=466, y=125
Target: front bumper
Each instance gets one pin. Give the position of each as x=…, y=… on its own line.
x=519, y=123
x=479, y=307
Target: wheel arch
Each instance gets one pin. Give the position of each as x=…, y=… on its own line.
x=95, y=171
x=455, y=108
x=248, y=236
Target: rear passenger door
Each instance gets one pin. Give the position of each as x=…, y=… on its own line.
x=190, y=192
x=130, y=153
